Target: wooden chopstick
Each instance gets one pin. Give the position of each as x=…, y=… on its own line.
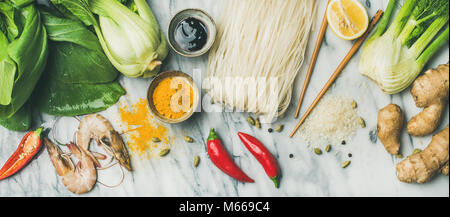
x=338, y=71
x=315, y=54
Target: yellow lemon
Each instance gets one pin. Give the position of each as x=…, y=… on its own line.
x=347, y=18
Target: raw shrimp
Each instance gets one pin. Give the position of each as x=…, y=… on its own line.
x=78, y=179
x=96, y=127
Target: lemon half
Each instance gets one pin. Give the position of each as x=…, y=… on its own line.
x=348, y=19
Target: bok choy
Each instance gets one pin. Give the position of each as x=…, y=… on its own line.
x=20, y=121
x=127, y=30
x=394, y=56
x=23, y=56
x=78, y=79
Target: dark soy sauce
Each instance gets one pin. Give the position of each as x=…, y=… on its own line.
x=191, y=34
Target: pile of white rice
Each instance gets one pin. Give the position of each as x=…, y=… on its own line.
x=333, y=121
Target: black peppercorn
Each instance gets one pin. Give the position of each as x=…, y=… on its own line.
x=270, y=130
x=344, y=142
x=291, y=156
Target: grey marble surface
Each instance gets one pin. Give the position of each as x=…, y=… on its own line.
x=372, y=172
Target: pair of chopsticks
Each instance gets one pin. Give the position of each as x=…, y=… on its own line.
x=315, y=54
x=338, y=71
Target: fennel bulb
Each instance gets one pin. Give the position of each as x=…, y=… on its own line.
x=395, y=57
x=130, y=36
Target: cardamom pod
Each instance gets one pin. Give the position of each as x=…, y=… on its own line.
x=354, y=105
x=362, y=122
x=156, y=140
x=417, y=151
x=318, y=151
x=279, y=128
x=196, y=161
x=328, y=148
x=188, y=139
x=251, y=121
x=346, y=164
x=258, y=123
x=164, y=152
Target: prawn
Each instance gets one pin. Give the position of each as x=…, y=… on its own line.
x=96, y=127
x=78, y=179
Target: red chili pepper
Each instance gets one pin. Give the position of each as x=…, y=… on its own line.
x=265, y=158
x=219, y=156
x=28, y=148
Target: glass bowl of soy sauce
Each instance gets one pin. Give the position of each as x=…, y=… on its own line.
x=191, y=32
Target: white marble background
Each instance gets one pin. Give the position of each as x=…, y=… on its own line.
x=371, y=173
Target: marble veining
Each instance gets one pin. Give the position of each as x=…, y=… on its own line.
x=372, y=172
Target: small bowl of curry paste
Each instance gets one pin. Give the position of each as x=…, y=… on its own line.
x=173, y=97
x=191, y=32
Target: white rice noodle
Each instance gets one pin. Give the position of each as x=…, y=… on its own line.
x=259, y=51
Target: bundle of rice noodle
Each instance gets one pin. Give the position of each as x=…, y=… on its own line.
x=259, y=51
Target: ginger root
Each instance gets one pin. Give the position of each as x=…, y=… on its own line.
x=430, y=91
x=390, y=124
x=421, y=167
x=444, y=170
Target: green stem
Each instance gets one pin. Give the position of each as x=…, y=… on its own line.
x=415, y=21
x=384, y=22
x=212, y=135
x=276, y=181
x=433, y=48
x=402, y=17
x=407, y=30
x=425, y=19
x=38, y=132
x=145, y=12
x=421, y=44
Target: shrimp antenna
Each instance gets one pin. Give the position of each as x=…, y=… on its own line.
x=111, y=164
x=54, y=131
x=121, y=180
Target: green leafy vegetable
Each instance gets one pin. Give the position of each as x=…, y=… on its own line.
x=23, y=54
x=20, y=121
x=7, y=72
x=76, y=10
x=78, y=79
x=127, y=30
x=76, y=55
x=61, y=99
x=22, y=3
x=394, y=56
